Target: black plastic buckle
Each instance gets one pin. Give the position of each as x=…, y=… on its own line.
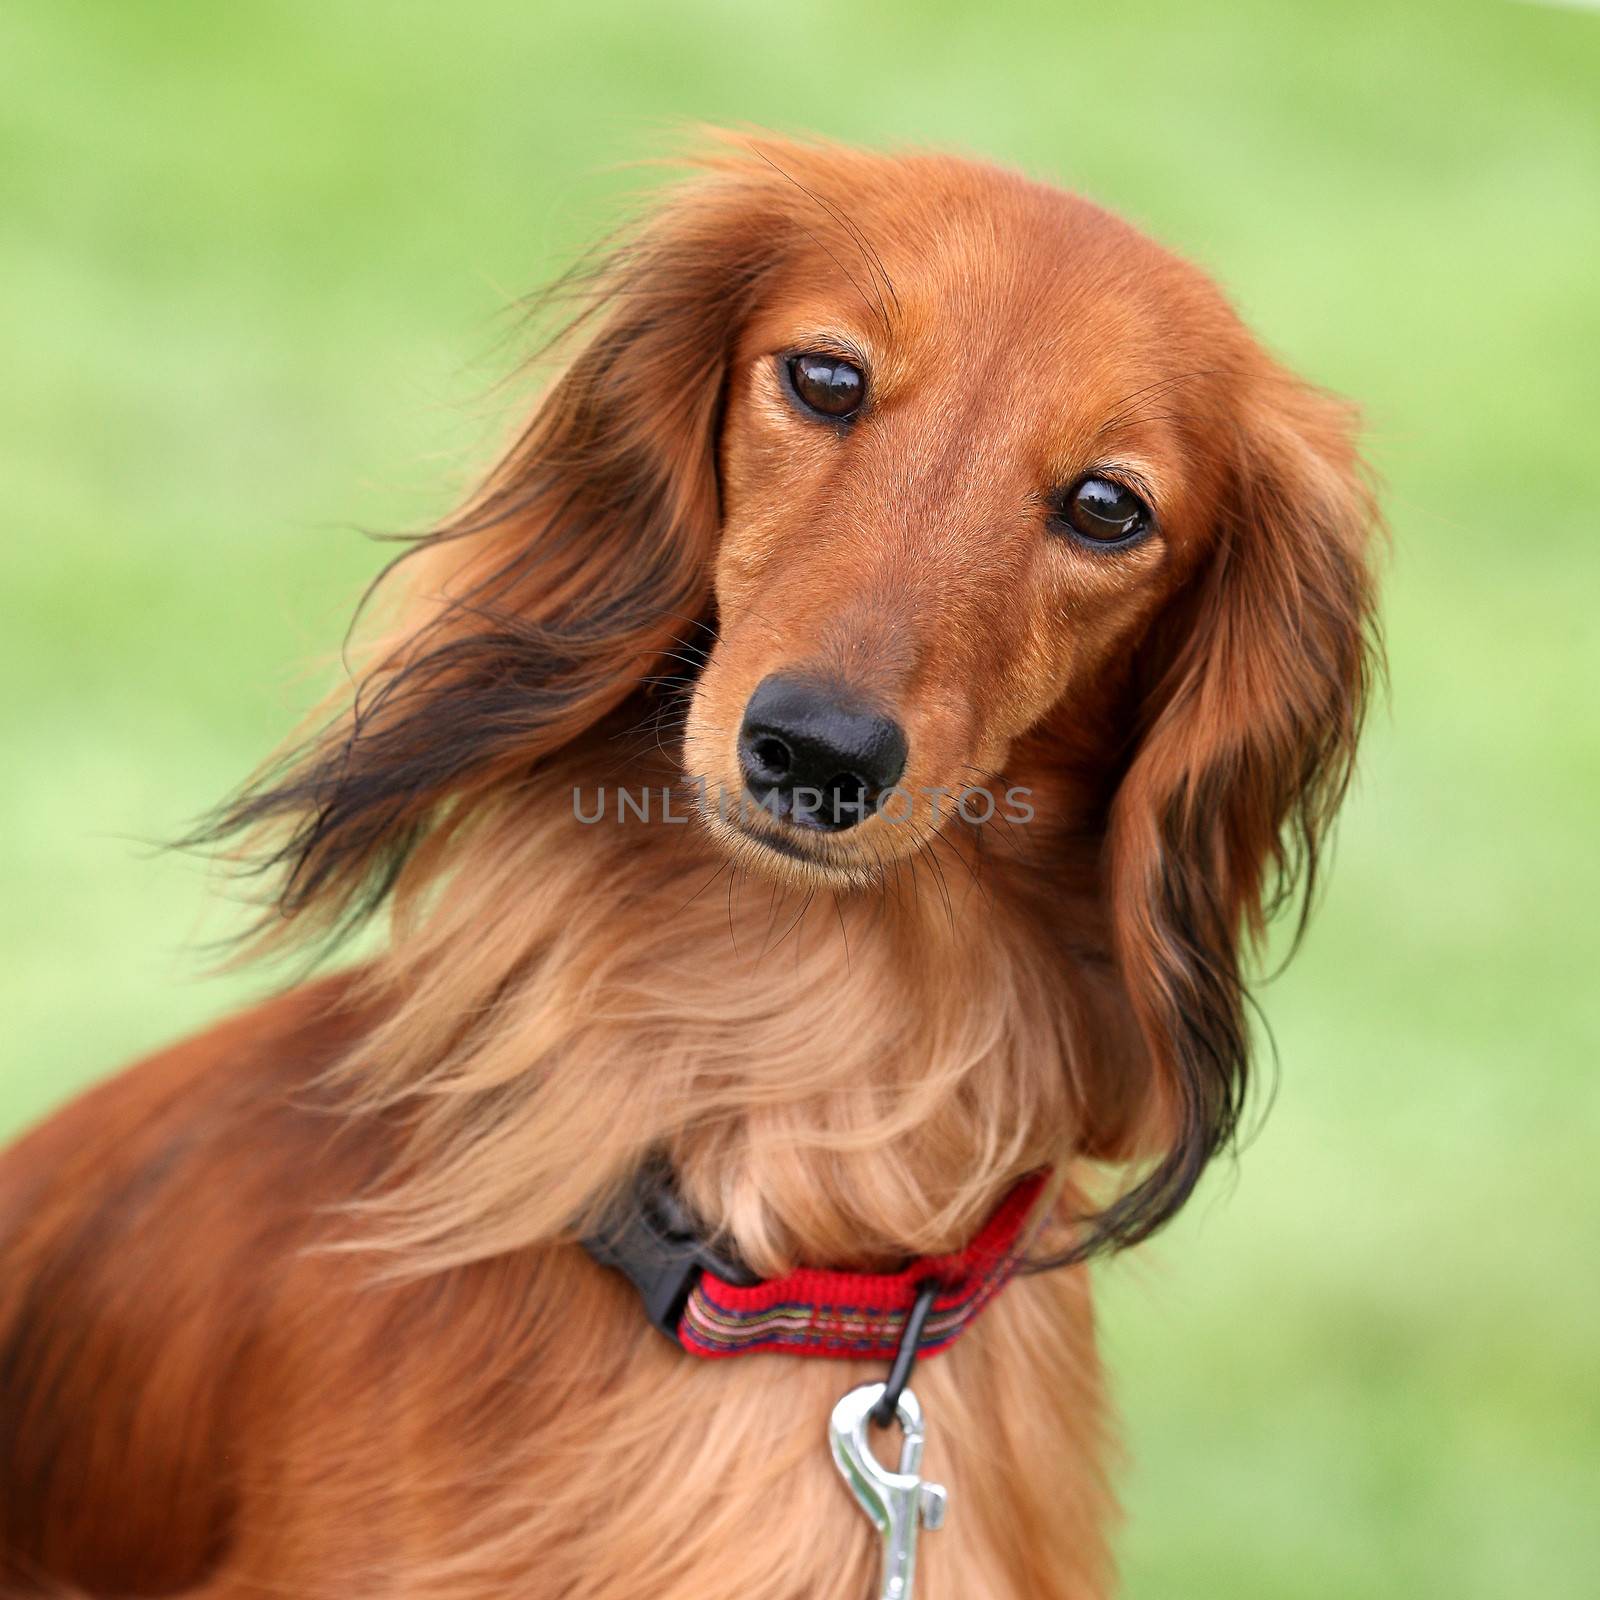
x=657, y=1243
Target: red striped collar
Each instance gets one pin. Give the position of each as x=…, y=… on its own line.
x=714, y=1309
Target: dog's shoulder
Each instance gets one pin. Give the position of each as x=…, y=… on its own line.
x=144, y=1230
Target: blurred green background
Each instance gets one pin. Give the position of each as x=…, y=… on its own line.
x=253, y=266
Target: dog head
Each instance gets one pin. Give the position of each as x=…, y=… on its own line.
x=960, y=479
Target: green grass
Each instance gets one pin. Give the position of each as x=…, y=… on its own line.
x=252, y=267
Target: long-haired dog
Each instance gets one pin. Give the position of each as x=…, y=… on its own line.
x=845, y=753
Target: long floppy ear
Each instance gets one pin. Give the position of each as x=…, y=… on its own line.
x=542, y=605
x=1259, y=679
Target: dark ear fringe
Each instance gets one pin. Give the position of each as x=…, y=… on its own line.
x=559, y=590
x=1200, y=999
x=1337, y=647
x=1224, y=817
x=334, y=822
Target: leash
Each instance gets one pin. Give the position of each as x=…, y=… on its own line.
x=713, y=1307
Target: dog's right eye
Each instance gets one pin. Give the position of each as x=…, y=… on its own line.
x=827, y=385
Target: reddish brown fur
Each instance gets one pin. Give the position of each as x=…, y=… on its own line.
x=293, y=1308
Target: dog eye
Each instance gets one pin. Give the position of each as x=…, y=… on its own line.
x=1104, y=512
x=827, y=385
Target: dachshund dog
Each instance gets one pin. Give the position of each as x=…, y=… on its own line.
x=846, y=751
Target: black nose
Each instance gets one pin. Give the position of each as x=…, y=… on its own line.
x=816, y=756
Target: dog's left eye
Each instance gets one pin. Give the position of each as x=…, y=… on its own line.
x=1104, y=512
x=827, y=385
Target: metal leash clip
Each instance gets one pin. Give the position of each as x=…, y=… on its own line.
x=897, y=1503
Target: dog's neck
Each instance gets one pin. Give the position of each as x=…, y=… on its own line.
x=837, y=1079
